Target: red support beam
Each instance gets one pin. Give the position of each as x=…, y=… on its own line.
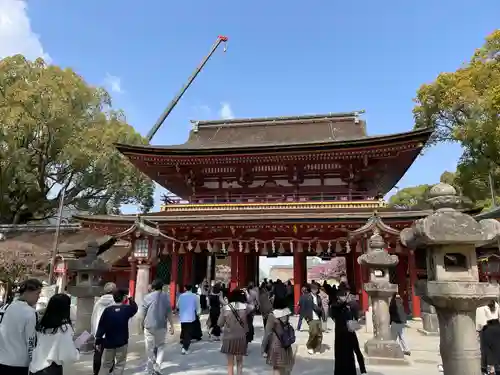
x=187, y=268
x=233, y=258
x=298, y=277
x=133, y=276
x=412, y=270
x=361, y=276
x=174, y=275
x=242, y=270
x=402, y=280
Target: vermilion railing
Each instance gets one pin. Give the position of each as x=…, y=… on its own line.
x=265, y=198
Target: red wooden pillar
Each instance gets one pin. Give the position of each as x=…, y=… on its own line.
x=250, y=265
x=233, y=284
x=412, y=270
x=174, y=275
x=153, y=256
x=242, y=270
x=401, y=274
x=298, y=277
x=361, y=276
x=364, y=301
x=132, y=277
x=256, y=277
x=187, y=269
x=350, y=270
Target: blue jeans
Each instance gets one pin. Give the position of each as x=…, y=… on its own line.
x=299, y=324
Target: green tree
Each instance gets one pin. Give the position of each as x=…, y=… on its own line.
x=464, y=106
x=413, y=197
x=58, y=132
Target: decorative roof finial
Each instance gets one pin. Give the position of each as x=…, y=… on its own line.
x=376, y=242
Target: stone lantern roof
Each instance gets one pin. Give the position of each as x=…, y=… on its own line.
x=376, y=257
x=446, y=226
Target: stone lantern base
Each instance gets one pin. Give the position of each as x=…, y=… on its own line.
x=86, y=295
x=430, y=324
x=383, y=353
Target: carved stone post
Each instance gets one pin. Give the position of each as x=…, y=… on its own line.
x=382, y=348
x=430, y=323
x=87, y=287
x=141, y=290
x=452, y=285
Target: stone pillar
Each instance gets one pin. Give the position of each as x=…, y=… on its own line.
x=453, y=288
x=381, y=349
x=61, y=280
x=430, y=323
x=142, y=282
x=141, y=289
x=84, y=307
x=88, y=271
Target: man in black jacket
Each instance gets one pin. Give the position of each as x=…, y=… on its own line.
x=112, y=333
x=310, y=309
x=397, y=315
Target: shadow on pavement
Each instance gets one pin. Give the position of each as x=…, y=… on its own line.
x=206, y=358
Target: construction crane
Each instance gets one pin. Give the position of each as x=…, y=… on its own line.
x=173, y=103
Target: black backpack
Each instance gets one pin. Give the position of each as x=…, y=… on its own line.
x=287, y=337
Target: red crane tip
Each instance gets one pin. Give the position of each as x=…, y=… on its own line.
x=223, y=38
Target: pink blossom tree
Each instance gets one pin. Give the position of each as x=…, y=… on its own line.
x=333, y=269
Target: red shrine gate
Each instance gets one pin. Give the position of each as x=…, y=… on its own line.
x=283, y=186
x=191, y=262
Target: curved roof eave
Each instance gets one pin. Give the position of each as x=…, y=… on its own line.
x=187, y=150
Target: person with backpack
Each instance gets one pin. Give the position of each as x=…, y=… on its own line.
x=234, y=323
x=279, y=336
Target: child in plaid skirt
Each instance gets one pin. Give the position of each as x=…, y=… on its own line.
x=279, y=358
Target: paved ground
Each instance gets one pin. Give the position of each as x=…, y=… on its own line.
x=206, y=359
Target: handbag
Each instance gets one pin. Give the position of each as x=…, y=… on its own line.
x=353, y=325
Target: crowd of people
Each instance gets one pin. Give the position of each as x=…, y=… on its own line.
x=231, y=314
x=43, y=344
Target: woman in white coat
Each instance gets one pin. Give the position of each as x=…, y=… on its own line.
x=54, y=333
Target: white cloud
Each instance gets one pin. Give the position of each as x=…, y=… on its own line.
x=113, y=83
x=225, y=111
x=16, y=35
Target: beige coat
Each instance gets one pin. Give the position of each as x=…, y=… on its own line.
x=231, y=326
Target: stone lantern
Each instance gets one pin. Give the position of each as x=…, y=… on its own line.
x=452, y=287
x=88, y=271
x=382, y=348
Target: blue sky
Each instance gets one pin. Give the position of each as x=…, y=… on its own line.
x=284, y=58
